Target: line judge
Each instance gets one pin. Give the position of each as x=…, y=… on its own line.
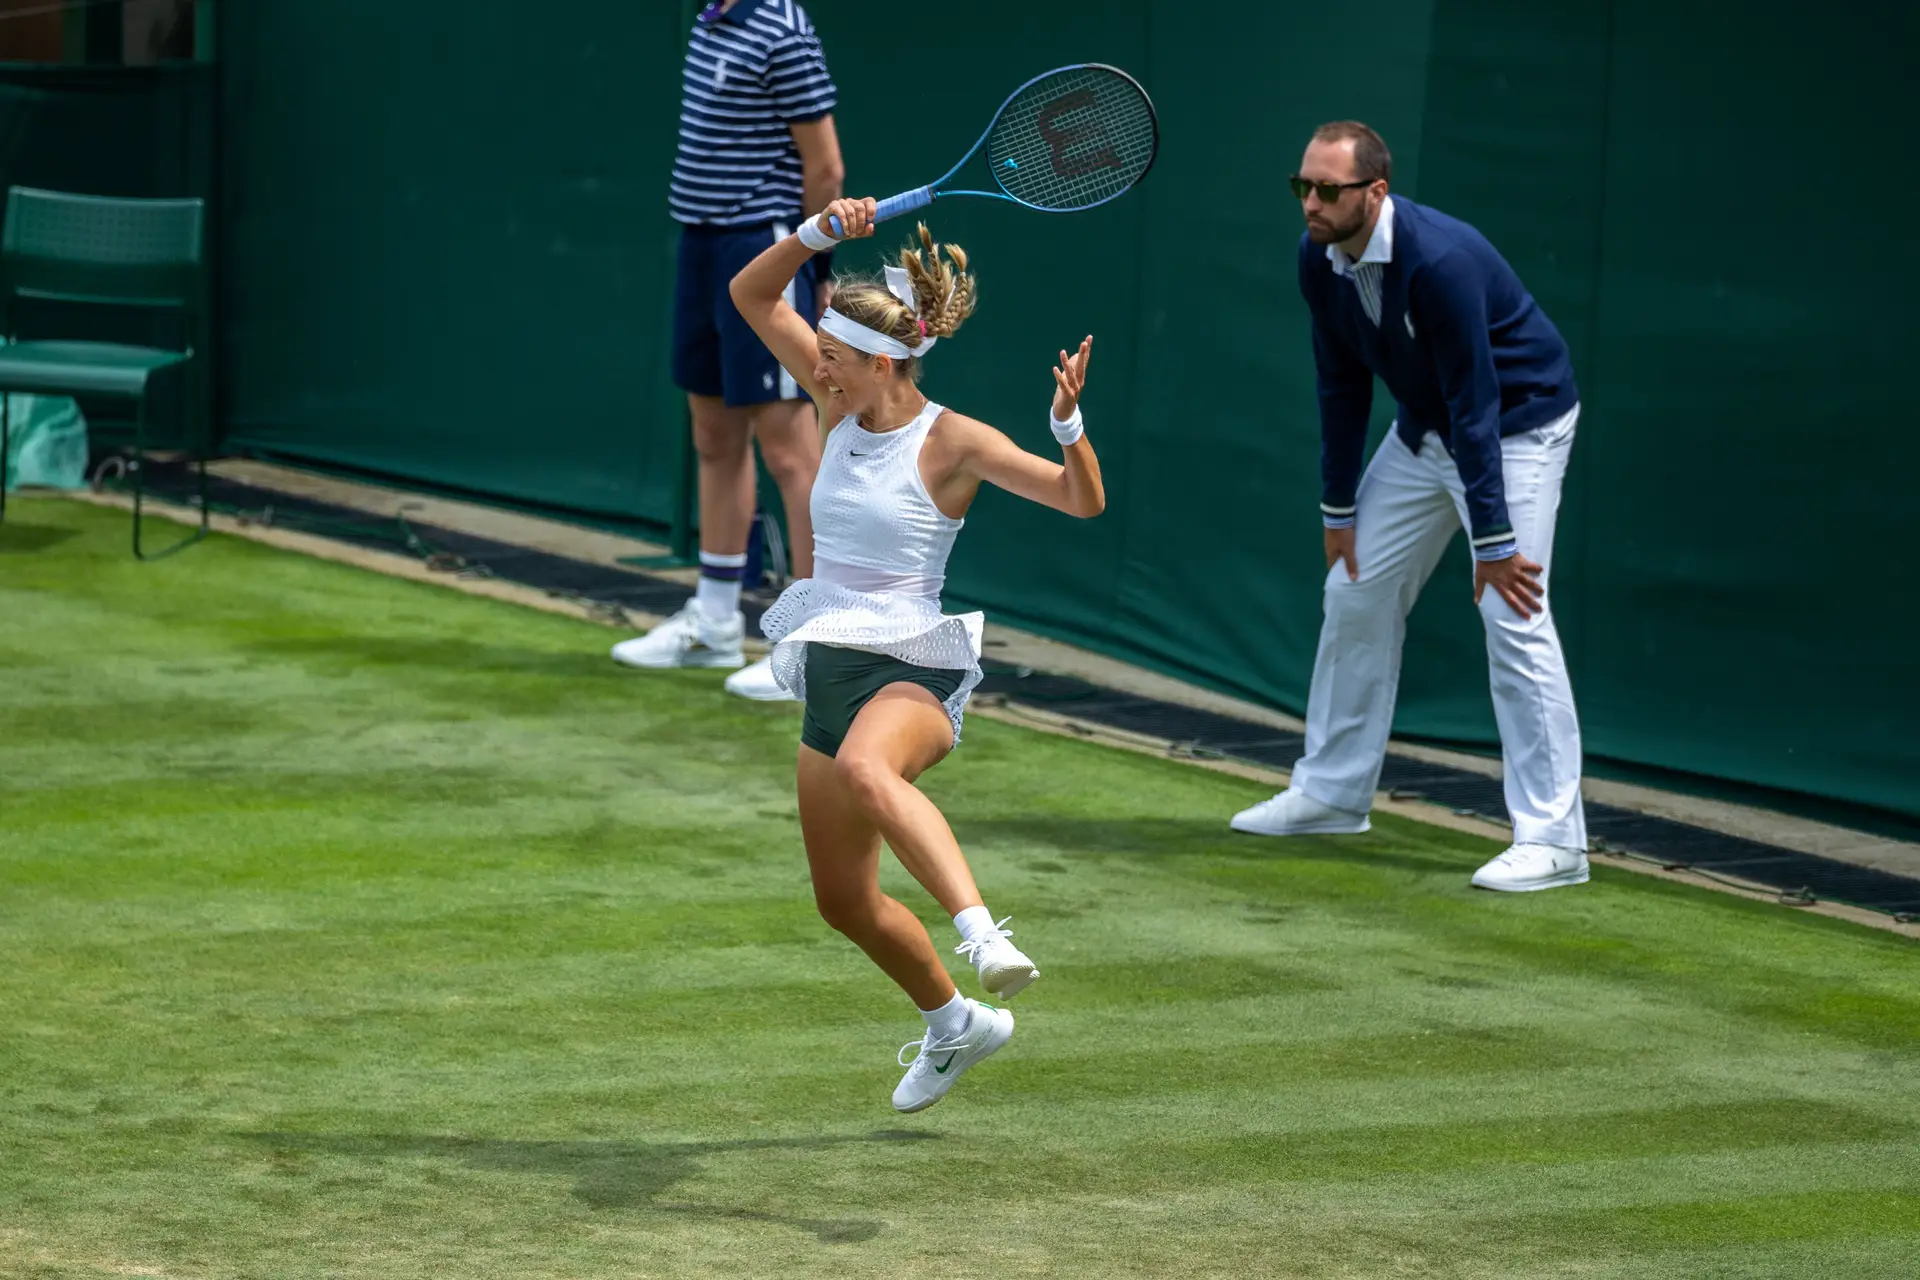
x=1487, y=409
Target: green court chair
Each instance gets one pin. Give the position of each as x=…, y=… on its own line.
x=113, y=252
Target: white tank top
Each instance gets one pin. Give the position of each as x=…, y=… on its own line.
x=875, y=528
x=879, y=561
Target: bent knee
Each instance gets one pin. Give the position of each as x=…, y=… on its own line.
x=853, y=914
x=866, y=777
x=1345, y=598
x=721, y=447
x=789, y=463
x=1499, y=615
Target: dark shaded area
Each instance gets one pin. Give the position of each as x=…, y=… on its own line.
x=606, y=1175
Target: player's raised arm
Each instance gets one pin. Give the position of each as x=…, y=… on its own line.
x=759, y=292
x=1073, y=485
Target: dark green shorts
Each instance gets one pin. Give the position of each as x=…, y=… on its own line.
x=841, y=681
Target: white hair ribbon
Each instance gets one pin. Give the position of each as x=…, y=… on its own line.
x=900, y=285
x=872, y=341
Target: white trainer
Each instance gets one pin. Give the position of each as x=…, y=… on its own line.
x=1526, y=867
x=688, y=639
x=1004, y=969
x=756, y=682
x=939, y=1062
x=1294, y=813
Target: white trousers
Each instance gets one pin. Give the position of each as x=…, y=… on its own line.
x=1408, y=508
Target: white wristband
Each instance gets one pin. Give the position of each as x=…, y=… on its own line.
x=1069, y=431
x=814, y=238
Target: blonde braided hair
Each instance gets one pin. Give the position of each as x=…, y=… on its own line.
x=943, y=291
x=943, y=294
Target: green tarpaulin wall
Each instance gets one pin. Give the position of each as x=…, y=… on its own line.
x=448, y=257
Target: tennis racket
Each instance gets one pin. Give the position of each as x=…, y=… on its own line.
x=1070, y=139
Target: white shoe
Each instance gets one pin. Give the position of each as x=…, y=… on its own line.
x=1294, y=813
x=1004, y=970
x=940, y=1062
x=688, y=639
x=757, y=682
x=1526, y=867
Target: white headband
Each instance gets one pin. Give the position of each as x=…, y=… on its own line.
x=872, y=341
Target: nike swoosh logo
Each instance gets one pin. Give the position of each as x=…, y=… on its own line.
x=942, y=1068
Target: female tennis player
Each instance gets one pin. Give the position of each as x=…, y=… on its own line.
x=884, y=673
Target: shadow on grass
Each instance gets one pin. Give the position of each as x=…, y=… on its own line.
x=607, y=1175
x=18, y=538
x=1199, y=838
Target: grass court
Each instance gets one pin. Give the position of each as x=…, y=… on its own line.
x=352, y=927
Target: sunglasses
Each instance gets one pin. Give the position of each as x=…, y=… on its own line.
x=1329, y=192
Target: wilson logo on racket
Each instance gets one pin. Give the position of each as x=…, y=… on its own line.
x=1068, y=140
x=1059, y=137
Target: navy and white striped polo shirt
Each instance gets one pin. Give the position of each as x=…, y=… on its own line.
x=751, y=72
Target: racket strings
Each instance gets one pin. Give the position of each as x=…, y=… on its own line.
x=1073, y=140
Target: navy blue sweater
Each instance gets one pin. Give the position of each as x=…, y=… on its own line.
x=1461, y=345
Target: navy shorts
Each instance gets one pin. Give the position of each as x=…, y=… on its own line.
x=841, y=682
x=714, y=352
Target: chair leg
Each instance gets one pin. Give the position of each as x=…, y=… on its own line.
x=138, y=470
x=6, y=446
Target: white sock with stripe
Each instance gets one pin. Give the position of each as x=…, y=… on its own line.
x=719, y=593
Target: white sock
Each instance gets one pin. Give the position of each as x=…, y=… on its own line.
x=949, y=1020
x=719, y=593
x=974, y=924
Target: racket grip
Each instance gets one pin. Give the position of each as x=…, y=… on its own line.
x=893, y=207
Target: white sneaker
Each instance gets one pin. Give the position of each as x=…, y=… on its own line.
x=1294, y=813
x=757, y=682
x=1004, y=971
x=940, y=1062
x=1526, y=867
x=688, y=639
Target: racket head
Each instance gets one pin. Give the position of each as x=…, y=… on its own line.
x=1073, y=138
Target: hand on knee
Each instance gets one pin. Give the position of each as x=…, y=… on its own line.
x=1498, y=614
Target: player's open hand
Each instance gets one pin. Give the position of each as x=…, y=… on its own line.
x=857, y=218
x=1516, y=578
x=1070, y=379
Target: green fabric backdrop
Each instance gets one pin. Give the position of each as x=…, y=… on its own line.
x=449, y=258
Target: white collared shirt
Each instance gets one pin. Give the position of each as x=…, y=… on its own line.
x=1366, y=272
